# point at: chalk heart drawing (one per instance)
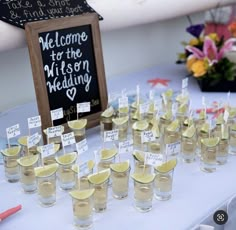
(70, 93)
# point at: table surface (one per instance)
(195, 194)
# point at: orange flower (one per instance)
(199, 68)
(232, 28)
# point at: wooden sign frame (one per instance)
(32, 35)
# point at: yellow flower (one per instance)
(214, 37)
(199, 68)
(194, 42)
(190, 62)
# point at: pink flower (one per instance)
(210, 51)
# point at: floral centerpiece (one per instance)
(205, 57)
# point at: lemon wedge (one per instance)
(67, 159)
(220, 119)
(120, 167)
(167, 166)
(123, 110)
(143, 178)
(12, 151)
(139, 156)
(108, 153)
(189, 132)
(167, 115)
(173, 126)
(210, 142)
(77, 124)
(108, 112)
(136, 115)
(56, 148)
(47, 170)
(120, 120)
(168, 93)
(202, 114)
(100, 177)
(140, 125)
(82, 194)
(182, 108)
(23, 140)
(205, 128)
(28, 160)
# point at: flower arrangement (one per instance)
(205, 55)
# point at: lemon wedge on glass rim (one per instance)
(45, 171)
(143, 178)
(56, 148)
(167, 166)
(120, 120)
(99, 177)
(28, 160)
(23, 140)
(12, 151)
(67, 158)
(189, 132)
(139, 156)
(108, 153)
(82, 194)
(120, 166)
(140, 125)
(210, 142)
(173, 126)
(108, 112)
(77, 124)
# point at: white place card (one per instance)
(13, 131)
(33, 140)
(83, 107)
(47, 150)
(83, 169)
(97, 157)
(185, 83)
(82, 146)
(151, 95)
(112, 135)
(147, 136)
(34, 122)
(173, 148)
(126, 146)
(154, 159)
(143, 108)
(54, 131)
(68, 139)
(56, 114)
(123, 102)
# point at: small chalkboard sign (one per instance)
(67, 65)
(19, 12)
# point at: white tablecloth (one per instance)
(196, 195)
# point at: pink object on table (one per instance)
(9, 212)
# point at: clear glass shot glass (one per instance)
(46, 184)
(100, 196)
(27, 174)
(122, 124)
(106, 120)
(11, 167)
(120, 183)
(163, 184)
(78, 127)
(143, 194)
(189, 145)
(65, 174)
(209, 151)
(25, 150)
(82, 201)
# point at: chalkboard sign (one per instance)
(19, 12)
(67, 65)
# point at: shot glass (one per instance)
(66, 175)
(56, 139)
(99, 181)
(27, 174)
(232, 140)
(122, 124)
(189, 144)
(137, 129)
(209, 151)
(139, 166)
(143, 191)
(106, 120)
(163, 184)
(25, 150)
(82, 201)
(46, 184)
(120, 179)
(11, 167)
(78, 127)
